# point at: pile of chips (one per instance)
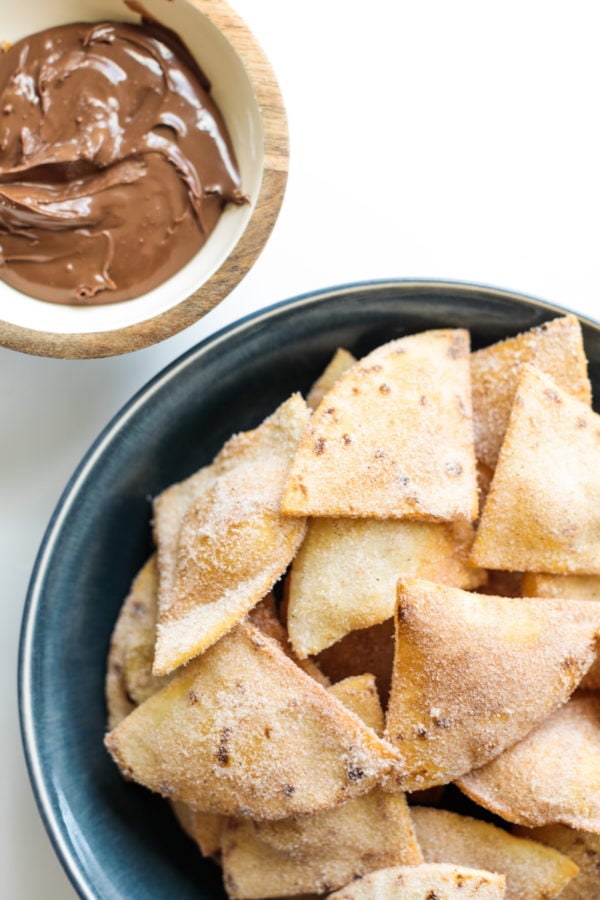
(430, 521)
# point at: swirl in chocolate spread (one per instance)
(115, 164)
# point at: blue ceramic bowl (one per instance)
(117, 840)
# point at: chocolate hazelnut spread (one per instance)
(115, 164)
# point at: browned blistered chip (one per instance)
(532, 870)
(320, 852)
(340, 363)
(430, 881)
(542, 513)
(365, 650)
(393, 438)
(129, 679)
(242, 730)
(473, 674)
(234, 543)
(582, 847)
(344, 574)
(555, 347)
(550, 777)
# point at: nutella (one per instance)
(115, 164)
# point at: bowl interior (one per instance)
(115, 839)
(234, 94)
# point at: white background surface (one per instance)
(429, 139)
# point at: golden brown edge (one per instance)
(244, 254)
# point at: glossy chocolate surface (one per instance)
(114, 162)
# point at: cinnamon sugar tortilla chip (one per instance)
(320, 852)
(364, 650)
(575, 587)
(393, 438)
(328, 849)
(542, 513)
(583, 848)
(430, 881)
(168, 512)
(473, 674)
(532, 870)
(555, 347)
(234, 544)
(340, 363)
(129, 679)
(550, 777)
(242, 730)
(344, 574)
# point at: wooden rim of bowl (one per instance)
(239, 261)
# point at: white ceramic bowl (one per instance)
(242, 85)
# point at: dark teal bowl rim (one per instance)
(446, 293)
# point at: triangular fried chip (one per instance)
(364, 650)
(168, 512)
(555, 347)
(243, 731)
(583, 848)
(431, 881)
(129, 679)
(550, 777)
(542, 513)
(206, 828)
(393, 438)
(234, 544)
(340, 363)
(574, 587)
(320, 852)
(532, 870)
(345, 573)
(473, 674)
